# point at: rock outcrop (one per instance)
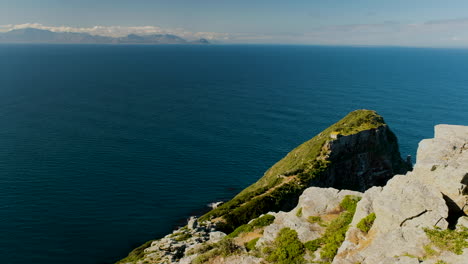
(362, 160)
(433, 195)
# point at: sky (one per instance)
(323, 22)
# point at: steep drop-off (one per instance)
(356, 153)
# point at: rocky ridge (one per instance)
(419, 217)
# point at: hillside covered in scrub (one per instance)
(357, 152)
(336, 199)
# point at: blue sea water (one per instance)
(105, 147)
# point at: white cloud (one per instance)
(119, 31)
(453, 32)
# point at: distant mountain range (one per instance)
(33, 35)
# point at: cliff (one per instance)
(356, 153)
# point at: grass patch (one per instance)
(251, 244)
(259, 222)
(288, 249)
(366, 223)
(182, 236)
(313, 245)
(299, 212)
(449, 240)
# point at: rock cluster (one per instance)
(171, 248)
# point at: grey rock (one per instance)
(216, 236)
(192, 223)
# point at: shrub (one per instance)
(251, 244)
(349, 203)
(263, 221)
(366, 223)
(451, 240)
(288, 249)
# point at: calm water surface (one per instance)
(105, 147)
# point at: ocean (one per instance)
(104, 147)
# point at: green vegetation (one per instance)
(366, 223)
(450, 240)
(429, 250)
(441, 262)
(299, 212)
(335, 233)
(136, 254)
(225, 247)
(288, 178)
(259, 222)
(182, 236)
(263, 221)
(251, 244)
(316, 219)
(288, 249)
(313, 245)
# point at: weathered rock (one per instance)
(313, 202)
(216, 236)
(192, 223)
(362, 160)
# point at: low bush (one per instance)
(288, 249)
(263, 221)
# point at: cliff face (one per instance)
(362, 160)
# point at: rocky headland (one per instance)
(343, 197)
